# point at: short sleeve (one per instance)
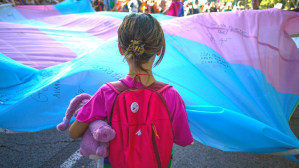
(94, 109)
(178, 114)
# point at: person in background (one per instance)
(139, 5)
(124, 7)
(161, 5)
(98, 5)
(144, 6)
(167, 4)
(189, 9)
(54, 2)
(196, 7)
(173, 9)
(221, 7)
(296, 10)
(218, 7)
(32, 2)
(239, 6)
(134, 6)
(12, 2)
(45, 2)
(206, 7)
(19, 2)
(110, 5)
(228, 8)
(255, 4)
(201, 7)
(213, 7)
(151, 6)
(181, 9)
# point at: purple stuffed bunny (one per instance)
(96, 138)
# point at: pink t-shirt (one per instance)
(100, 107)
(174, 9)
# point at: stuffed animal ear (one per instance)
(63, 125)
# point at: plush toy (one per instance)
(96, 138)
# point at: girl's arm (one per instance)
(93, 110)
(180, 125)
(77, 129)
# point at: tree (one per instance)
(265, 4)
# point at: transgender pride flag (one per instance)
(238, 72)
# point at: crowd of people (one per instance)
(30, 2)
(172, 7)
(169, 7)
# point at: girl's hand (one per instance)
(77, 129)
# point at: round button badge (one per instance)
(134, 107)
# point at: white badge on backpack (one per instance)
(134, 107)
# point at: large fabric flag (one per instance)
(238, 72)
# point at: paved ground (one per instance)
(54, 149)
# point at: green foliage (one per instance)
(265, 4)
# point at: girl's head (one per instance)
(140, 39)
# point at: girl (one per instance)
(145, 30)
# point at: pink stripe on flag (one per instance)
(103, 27)
(37, 11)
(32, 47)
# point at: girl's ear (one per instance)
(120, 50)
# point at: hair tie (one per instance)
(136, 47)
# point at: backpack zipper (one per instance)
(155, 145)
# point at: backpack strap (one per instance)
(118, 86)
(158, 86)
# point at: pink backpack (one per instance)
(144, 136)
